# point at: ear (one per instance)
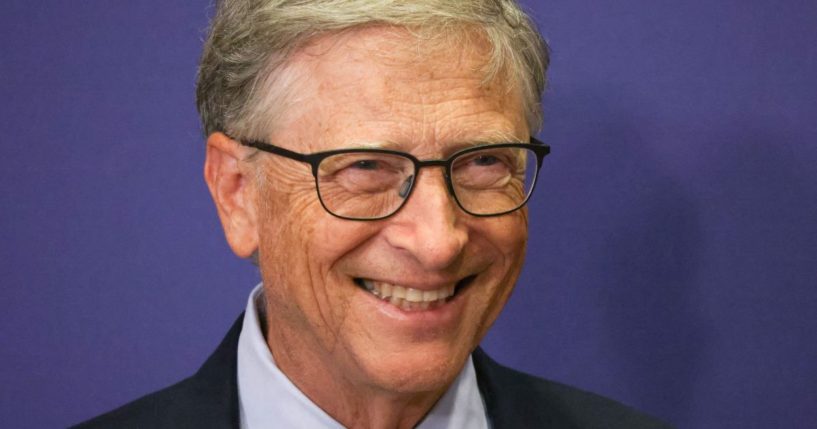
(232, 189)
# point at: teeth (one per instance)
(414, 295)
(408, 298)
(386, 289)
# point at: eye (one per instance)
(366, 164)
(363, 173)
(485, 160)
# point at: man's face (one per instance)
(384, 88)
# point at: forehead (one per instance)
(389, 86)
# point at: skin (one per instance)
(365, 362)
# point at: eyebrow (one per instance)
(487, 138)
(497, 136)
(492, 137)
(377, 144)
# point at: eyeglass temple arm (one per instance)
(266, 147)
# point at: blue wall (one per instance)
(673, 256)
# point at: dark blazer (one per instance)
(209, 399)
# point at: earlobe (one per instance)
(233, 191)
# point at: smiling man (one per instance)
(374, 158)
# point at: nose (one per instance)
(429, 226)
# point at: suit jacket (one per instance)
(209, 399)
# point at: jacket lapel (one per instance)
(214, 387)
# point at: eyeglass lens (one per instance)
(370, 185)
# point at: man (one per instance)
(374, 158)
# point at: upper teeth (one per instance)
(388, 290)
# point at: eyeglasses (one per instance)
(373, 184)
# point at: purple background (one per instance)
(673, 259)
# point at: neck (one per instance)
(350, 402)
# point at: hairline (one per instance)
(274, 87)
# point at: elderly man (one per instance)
(374, 159)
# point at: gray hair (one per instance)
(242, 76)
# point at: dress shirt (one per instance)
(268, 399)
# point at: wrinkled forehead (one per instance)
(404, 55)
(410, 54)
(384, 42)
(378, 68)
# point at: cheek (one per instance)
(507, 235)
(333, 244)
(313, 292)
(304, 249)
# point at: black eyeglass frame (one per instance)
(314, 159)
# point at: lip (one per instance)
(459, 285)
(435, 317)
(425, 286)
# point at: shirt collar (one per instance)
(268, 398)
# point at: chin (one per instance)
(416, 369)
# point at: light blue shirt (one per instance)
(268, 399)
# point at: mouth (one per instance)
(411, 299)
